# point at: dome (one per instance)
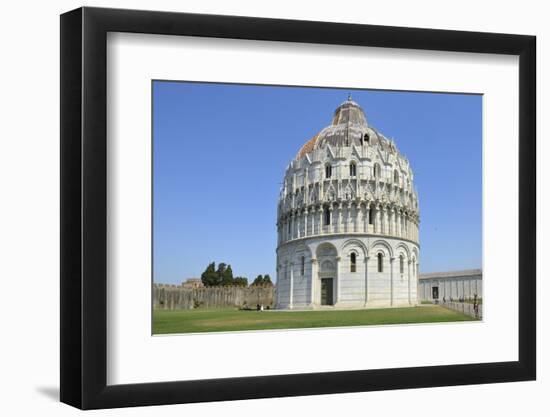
(348, 127)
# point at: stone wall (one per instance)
(174, 297)
(453, 284)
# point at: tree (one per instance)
(258, 281)
(267, 280)
(227, 276)
(241, 281)
(209, 277)
(220, 273)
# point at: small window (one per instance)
(353, 264)
(366, 138)
(376, 171)
(380, 262)
(371, 215)
(352, 169)
(289, 225)
(401, 264)
(396, 177)
(303, 268)
(328, 171)
(326, 216)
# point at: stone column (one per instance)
(399, 224)
(313, 280)
(377, 219)
(356, 211)
(392, 221)
(367, 217)
(312, 220)
(305, 222)
(291, 290)
(386, 220)
(338, 285)
(321, 219)
(366, 280)
(391, 279)
(348, 218)
(409, 278)
(340, 217)
(358, 217)
(331, 218)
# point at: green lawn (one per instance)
(197, 321)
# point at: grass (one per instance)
(200, 321)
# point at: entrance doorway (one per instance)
(326, 292)
(435, 293)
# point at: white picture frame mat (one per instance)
(135, 356)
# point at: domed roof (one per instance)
(349, 127)
(349, 112)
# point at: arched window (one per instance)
(353, 262)
(380, 262)
(401, 264)
(371, 215)
(328, 171)
(376, 171)
(303, 268)
(396, 177)
(352, 169)
(366, 138)
(326, 216)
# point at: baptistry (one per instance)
(347, 220)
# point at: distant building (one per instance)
(347, 220)
(192, 283)
(455, 284)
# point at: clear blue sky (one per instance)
(220, 152)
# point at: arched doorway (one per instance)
(326, 275)
(326, 281)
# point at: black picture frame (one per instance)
(84, 207)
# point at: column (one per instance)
(392, 222)
(331, 218)
(391, 280)
(305, 222)
(313, 280)
(358, 217)
(399, 224)
(338, 286)
(313, 220)
(291, 291)
(366, 279)
(356, 212)
(348, 218)
(377, 219)
(340, 218)
(409, 278)
(320, 210)
(386, 229)
(367, 216)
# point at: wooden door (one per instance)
(326, 292)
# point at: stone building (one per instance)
(450, 285)
(192, 283)
(347, 220)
